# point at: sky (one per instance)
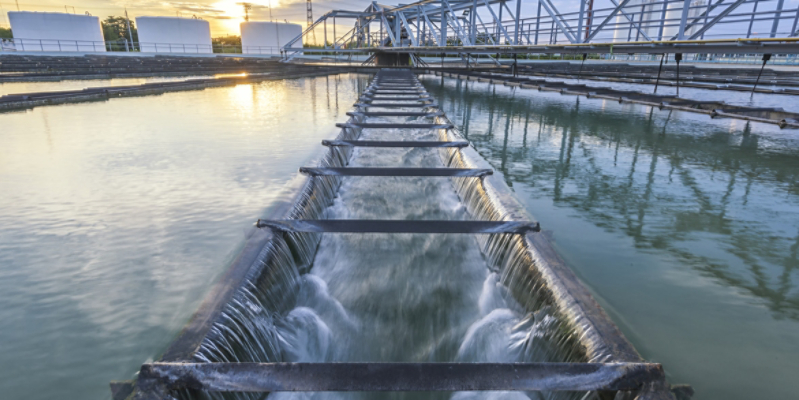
(225, 16)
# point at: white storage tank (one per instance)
(174, 35)
(44, 31)
(268, 37)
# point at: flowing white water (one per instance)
(388, 297)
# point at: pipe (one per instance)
(766, 57)
(678, 58)
(662, 57)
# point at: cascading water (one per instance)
(394, 297)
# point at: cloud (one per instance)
(194, 7)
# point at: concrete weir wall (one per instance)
(44, 31)
(174, 35)
(267, 37)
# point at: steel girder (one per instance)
(599, 24)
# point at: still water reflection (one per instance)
(116, 216)
(686, 228)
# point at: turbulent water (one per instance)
(116, 216)
(384, 297)
(685, 227)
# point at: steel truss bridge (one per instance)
(474, 27)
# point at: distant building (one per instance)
(45, 31)
(268, 37)
(174, 35)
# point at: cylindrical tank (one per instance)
(174, 35)
(268, 37)
(45, 31)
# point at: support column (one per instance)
(518, 19)
(683, 19)
(777, 16)
(442, 41)
(537, 21)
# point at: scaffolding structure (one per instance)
(593, 26)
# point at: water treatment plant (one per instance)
(447, 199)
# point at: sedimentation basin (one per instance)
(501, 122)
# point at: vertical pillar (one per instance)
(579, 20)
(499, 24)
(518, 19)
(662, 19)
(537, 21)
(398, 30)
(795, 21)
(752, 19)
(473, 22)
(419, 26)
(443, 40)
(683, 19)
(777, 15)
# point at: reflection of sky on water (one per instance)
(117, 215)
(653, 208)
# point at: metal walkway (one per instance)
(623, 371)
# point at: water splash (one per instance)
(430, 298)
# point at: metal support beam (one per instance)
(718, 18)
(497, 21)
(462, 35)
(406, 172)
(556, 17)
(367, 377)
(399, 226)
(391, 144)
(777, 15)
(607, 19)
(632, 21)
(430, 24)
(388, 30)
(516, 30)
(686, 6)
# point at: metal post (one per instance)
(580, 73)
(473, 19)
(579, 19)
(640, 23)
(678, 58)
(499, 23)
(418, 27)
(515, 66)
(766, 57)
(398, 30)
(589, 19)
(334, 33)
(518, 18)
(795, 21)
(537, 21)
(752, 19)
(443, 38)
(130, 32)
(684, 19)
(657, 81)
(777, 16)
(325, 33)
(662, 19)
(424, 30)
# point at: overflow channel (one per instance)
(317, 301)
